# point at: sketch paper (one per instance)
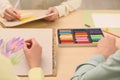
(103, 20)
(11, 46)
(28, 17)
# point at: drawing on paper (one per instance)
(28, 18)
(12, 49)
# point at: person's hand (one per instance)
(11, 14)
(55, 13)
(107, 46)
(33, 53)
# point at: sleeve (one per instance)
(67, 7)
(7, 73)
(99, 69)
(3, 5)
(6, 69)
(36, 74)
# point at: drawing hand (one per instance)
(55, 15)
(33, 53)
(106, 46)
(11, 14)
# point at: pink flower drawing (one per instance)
(12, 46)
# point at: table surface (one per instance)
(68, 58)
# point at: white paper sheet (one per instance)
(34, 16)
(43, 36)
(103, 20)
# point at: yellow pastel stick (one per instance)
(94, 42)
(27, 18)
(106, 29)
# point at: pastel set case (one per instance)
(79, 37)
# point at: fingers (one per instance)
(31, 43)
(34, 43)
(50, 10)
(25, 46)
(101, 41)
(8, 17)
(11, 14)
(28, 44)
(109, 39)
(17, 12)
(54, 16)
(50, 18)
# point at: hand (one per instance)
(33, 53)
(55, 15)
(106, 46)
(11, 14)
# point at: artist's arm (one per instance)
(68, 6)
(33, 53)
(6, 69)
(64, 9)
(97, 68)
